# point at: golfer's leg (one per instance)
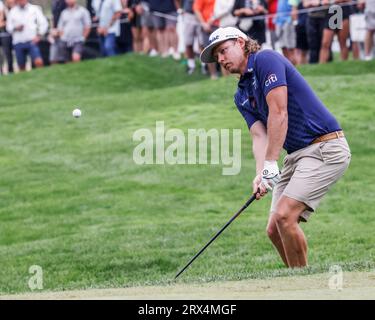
(272, 230)
(287, 216)
(273, 234)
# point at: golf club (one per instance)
(248, 202)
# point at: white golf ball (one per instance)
(77, 113)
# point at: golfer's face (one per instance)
(229, 55)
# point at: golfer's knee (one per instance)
(272, 231)
(282, 220)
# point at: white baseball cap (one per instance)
(219, 36)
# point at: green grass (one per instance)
(74, 202)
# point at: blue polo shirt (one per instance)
(308, 118)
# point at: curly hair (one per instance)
(251, 46)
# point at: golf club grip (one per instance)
(248, 202)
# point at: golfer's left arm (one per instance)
(277, 127)
(277, 123)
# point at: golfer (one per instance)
(282, 111)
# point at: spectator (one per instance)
(136, 26)
(285, 30)
(245, 10)
(108, 13)
(223, 11)
(272, 9)
(204, 10)
(27, 24)
(6, 37)
(73, 28)
(370, 27)
(355, 45)
(192, 31)
(164, 21)
(125, 40)
(57, 7)
(299, 19)
(314, 28)
(342, 33)
(149, 45)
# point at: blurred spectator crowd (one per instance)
(303, 30)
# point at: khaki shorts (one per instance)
(308, 173)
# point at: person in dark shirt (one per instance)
(164, 21)
(283, 112)
(125, 40)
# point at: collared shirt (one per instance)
(33, 21)
(308, 118)
(105, 9)
(73, 22)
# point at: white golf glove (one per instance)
(270, 174)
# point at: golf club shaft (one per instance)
(253, 197)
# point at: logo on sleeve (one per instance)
(271, 79)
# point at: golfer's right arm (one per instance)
(259, 137)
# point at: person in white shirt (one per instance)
(73, 27)
(108, 12)
(27, 24)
